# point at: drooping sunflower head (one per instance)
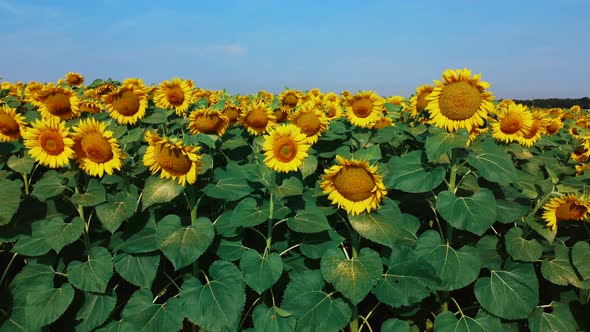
(569, 207)
(136, 83)
(353, 185)
(333, 109)
(49, 142)
(581, 168)
(580, 154)
(289, 99)
(553, 126)
(97, 151)
(418, 102)
(74, 79)
(176, 94)
(459, 101)
(363, 109)
(314, 93)
(331, 97)
(58, 103)
(311, 120)
(127, 104)
(90, 106)
(535, 131)
(104, 89)
(576, 110)
(31, 91)
(512, 122)
(208, 121)
(258, 118)
(555, 112)
(395, 100)
(285, 148)
(208, 95)
(232, 111)
(265, 96)
(12, 124)
(172, 159)
(382, 122)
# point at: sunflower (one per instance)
(136, 83)
(474, 134)
(58, 103)
(74, 79)
(382, 122)
(576, 109)
(172, 159)
(208, 121)
(512, 122)
(363, 109)
(555, 112)
(569, 207)
(97, 151)
(289, 99)
(333, 109)
(535, 131)
(285, 148)
(49, 142)
(176, 94)
(459, 101)
(580, 154)
(265, 96)
(127, 104)
(353, 185)
(418, 102)
(31, 91)
(331, 97)
(395, 100)
(12, 124)
(554, 126)
(104, 89)
(311, 121)
(574, 132)
(581, 168)
(314, 93)
(258, 118)
(90, 106)
(232, 111)
(211, 96)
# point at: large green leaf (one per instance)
(509, 211)
(395, 325)
(217, 305)
(521, 249)
(248, 214)
(157, 190)
(94, 195)
(354, 277)
(559, 319)
(112, 213)
(141, 314)
(10, 198)
(95, 311)
(229, 249)
(139, 270)
(488, 252)
(581, 258)
(440, 141)
(474, 214)
(410, 174)
(510, 293)
(272, 319)
(309, 220)
(229, 185)
(560, 270)
(34, 275)
(261, 272)
(309, 166)
(94, 274)
(407, 280)
(22, 165)
(182, 245)
(290, 187)
(447, 322)
(145, 240)
(34, 244)
(313, 307)
(46, 306)
(493, 163)
(455, 268)
(50, 185)
(59, 234)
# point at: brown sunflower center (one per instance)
(280, 115)
(75, 80)
(331, 111)
(207, 123)
(126, 103)
(8, 126)
(511, 123)
(354, 183)
(309, 123)
(570, 211)
(362, 107)
(535, 127)
(51, 142)
(290, 100)
(58, 103)
(285, 149)
(553, 127)
(175, 95)
(257, 118)
(173, 161)
(459, 100)
(97, 148)
(232, 114)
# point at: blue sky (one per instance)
(526, 49)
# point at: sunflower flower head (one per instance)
(285, 148)
(49, 143)
(127, 104)
(363, 109)
(311, 120)
(569, 207)
(258, 118)
(208, 121)
(74, 79)
(12, 124)
(512, 123)
(418, 102)
(56, 102)
(97, 151)
(176, 94)
(289, 99)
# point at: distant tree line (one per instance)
(556, 102)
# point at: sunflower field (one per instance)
(127, 207)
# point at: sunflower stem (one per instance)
(80, 209)
(26, 181)
(270, 229)
(7, 268)
(355, 241)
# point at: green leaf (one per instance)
(218, 304)
(22, 165)
(139, 270)
(113, 326)
(315, 245)
(94, 274)
(354, 277)
(310, 220)
(395, 325)
(385, 226)
(94, 195)
(157, 190)
(511, 293)
(46, 306)
(290, 187)
(271, 319)
(10, 198)
(559, 319)
(145, 240)
(440, 141)
(34, 275)
(315, 309)
(112, 214)
(541, 228)
(261, 272)
(455, 268)
(370, 154)
(560, 270)
(407, 280)
(35, 244)
(509, 211)
(182, 245)
(474, 214)
(447, 322)
(95, 311)
(59, 234)
(248, 214)
(488, 252)
(259, 173)
(520, 249)
(309, 166)
(409, 174)
(581, 258)
(230, 185)
(158, 116)
(141, 314)
(50, 185)
(133, 135)
(229, 249)
(493, 163)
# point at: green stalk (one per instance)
(355, 241)
(80, 209)
(26, 181)
(270, 229)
